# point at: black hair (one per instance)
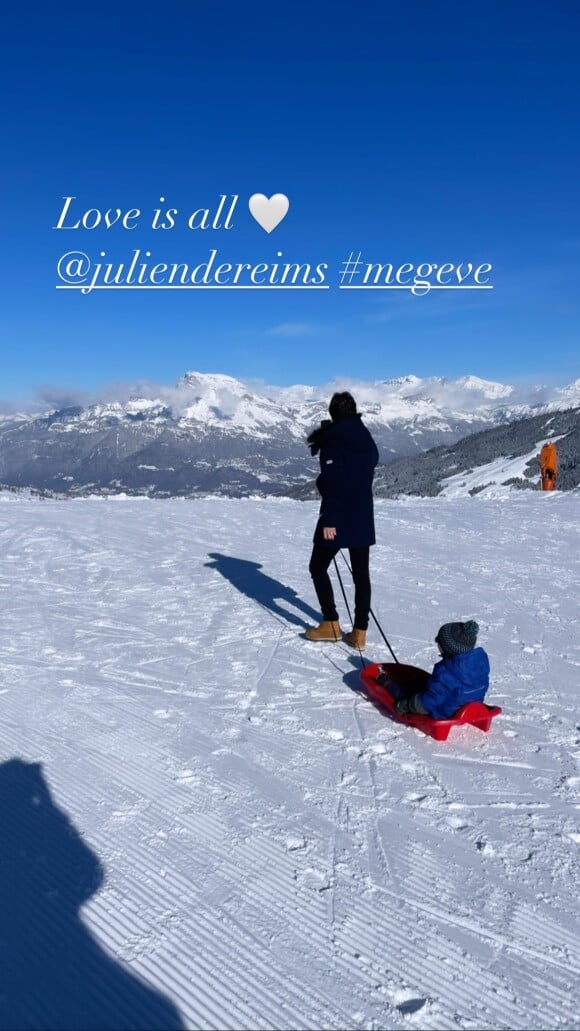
(342, 406)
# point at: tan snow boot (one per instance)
(356, 639)
(327, 631)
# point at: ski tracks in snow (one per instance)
(278, 853)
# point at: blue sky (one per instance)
(411, 133)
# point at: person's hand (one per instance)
(329, 533)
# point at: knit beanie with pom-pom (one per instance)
(457, 638)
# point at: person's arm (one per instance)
(436, 689)
(333, 484)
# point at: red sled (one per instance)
(477, 713)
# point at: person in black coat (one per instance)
(348, 456)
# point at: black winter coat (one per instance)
(348, 456)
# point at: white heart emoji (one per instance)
(268, 212)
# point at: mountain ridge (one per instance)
(213, 433)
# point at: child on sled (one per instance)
(461, 676)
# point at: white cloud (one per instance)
(293, 329)
(179, 396)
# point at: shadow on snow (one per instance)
(54, 974)
(248, 578)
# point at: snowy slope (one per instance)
(492, 476)
(205, 825)
(498, 460)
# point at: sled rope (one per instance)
(347, 606)
(379, 627)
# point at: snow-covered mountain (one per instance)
(212, 433)
(494, 461)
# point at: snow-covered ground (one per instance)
(206, 825)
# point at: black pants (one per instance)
(323, 553)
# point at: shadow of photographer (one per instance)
(54, 974)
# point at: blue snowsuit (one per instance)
(454, 682)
